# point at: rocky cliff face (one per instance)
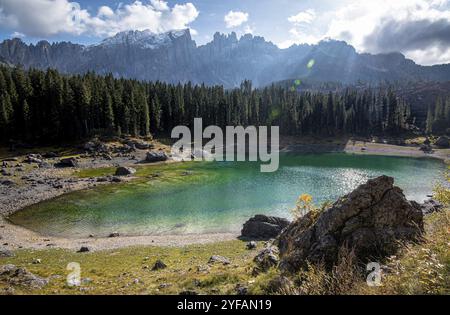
(372, 220)
(227, 60)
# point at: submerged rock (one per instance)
(372, 221)
(263, 227)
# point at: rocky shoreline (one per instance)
(28, 181)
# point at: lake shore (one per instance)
(35, 185)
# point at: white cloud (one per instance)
(303, 17)
(234, 19)
(51, 17)
(17, 35)
(417, 28)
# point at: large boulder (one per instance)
(262, 227)
(373, 221)
(442, 142)
(153, 157)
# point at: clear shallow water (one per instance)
(219, 197)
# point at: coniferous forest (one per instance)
(46, 106)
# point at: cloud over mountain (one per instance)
(52, 17)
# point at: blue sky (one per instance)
(418, 28)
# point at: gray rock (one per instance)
(372, 220)
(5, 253)
(153, 157)
(263, 227)
(69, 162)
(431, 206)
(125, 171)
(20, 276)
(8, 183)
(33, 158)
(159, 265)
(241, 289)
(266, 259)
(219, 259)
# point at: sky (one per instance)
(420, 29)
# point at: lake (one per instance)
(215, 197)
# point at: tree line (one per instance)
(438, 117)
(46, 106)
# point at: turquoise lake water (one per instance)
(218, 197)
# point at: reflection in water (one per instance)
(219, 197)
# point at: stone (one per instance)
(4, 253)
(262, 227)
(159, 265)
(153, 157)
(430, 206)
(219, 259)
(114, 234)
(68, 162)
(125, 171)
(266, 259)
(33, 158)
(373, 221)
(20, 276)
(116, 179)
(251, 245)
(8, 183)
(83, 249)
(442, 142)
(241, 289)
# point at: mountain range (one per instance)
(227, 60)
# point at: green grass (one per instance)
(115, 271)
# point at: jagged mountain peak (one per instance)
(146, 38)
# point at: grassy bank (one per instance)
(129, 270)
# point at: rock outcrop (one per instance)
(262, 227)
(372, 220)
(20, 276)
